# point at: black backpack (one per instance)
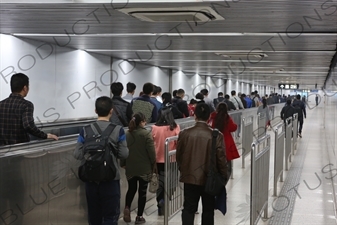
(98, 153)
(253, 102)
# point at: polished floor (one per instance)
(307, 195)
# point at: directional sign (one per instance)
(288, 86)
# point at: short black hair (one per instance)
(103, 106)
(220, 94)
(233, 92)
(167, 97)
(130, 87)
(226, 96)
(116, 88)
(204, 91)
(18, 81)
(180, 91)
(155, 90)
(288, 101)
(202, 111)
(199, 96)
(193, 101)
(298, 96)
(174, 93)
(158, 89)
(147, 88)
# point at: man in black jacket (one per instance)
(219, 99)
(122, 111)
(299, 107)
(287, 111)
(230, 104)
(180, 103)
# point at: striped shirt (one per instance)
(17, 121)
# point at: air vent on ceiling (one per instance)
(242, 55)
(179, 14)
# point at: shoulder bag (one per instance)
(215, 182)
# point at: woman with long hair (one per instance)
(263, 109)
(221, 120)
(139, 165)
(165, 127)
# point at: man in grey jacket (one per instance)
(103, 198)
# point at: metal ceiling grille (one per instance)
(297, 36)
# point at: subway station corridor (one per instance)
(307, 195)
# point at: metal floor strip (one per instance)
(283, 206)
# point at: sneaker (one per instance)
(139, 220)
(300, 135)
(127, 217)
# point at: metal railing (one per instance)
(295, 131)
(247, 137)
(261, 124)
(259, 181)
(279, 154)
(174, 194)
(288, 143)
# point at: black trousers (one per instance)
(133, 186)
(192, 194)
(300, 125)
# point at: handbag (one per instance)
(215, 182)
(154, 182)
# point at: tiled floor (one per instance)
(315, 196)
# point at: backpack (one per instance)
(253, 102)
(98, 151)
(298, 110)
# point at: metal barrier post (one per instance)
(261, 124)
(247, 137)
(279, 153)
(295, 131)
(259, 180)
(174, 196)
(288, 141)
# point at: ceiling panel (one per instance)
(298, 37)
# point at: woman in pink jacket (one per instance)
(164, 128)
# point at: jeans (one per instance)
(133, 183)
(192, 194)
(103, 202)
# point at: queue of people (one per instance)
(141, 151)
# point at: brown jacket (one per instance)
(194, 147)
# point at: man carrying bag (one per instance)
(194, 151)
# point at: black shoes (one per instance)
(139, 220)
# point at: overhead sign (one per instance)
(288, 86)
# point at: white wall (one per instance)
(64, 83)
(139, 74)
(192, 84)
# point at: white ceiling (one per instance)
(297, 38)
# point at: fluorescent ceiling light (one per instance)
(201, 51)
(170, 34)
